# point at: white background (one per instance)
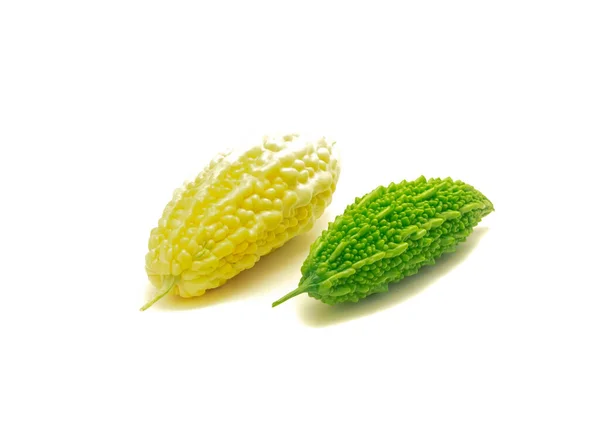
(106, 107)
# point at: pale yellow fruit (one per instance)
(241, 207)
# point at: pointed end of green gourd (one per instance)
(167, 285)
(489, 207)
(301, 289)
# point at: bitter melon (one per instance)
(241, 207)
(387, 235)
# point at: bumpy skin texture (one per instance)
(387, 235)
(241, 207)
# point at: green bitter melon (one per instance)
(387, 235)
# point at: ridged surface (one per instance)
(389, 234)
(241, 207)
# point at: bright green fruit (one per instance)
(387, 235)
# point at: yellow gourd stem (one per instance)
(167, 285)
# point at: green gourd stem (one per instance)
(167, 285)
(302, 289)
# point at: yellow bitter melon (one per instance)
(387, 235)
(241, 207)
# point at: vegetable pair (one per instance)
(244, 205)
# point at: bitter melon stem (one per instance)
(167, 285)
(301, 289)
